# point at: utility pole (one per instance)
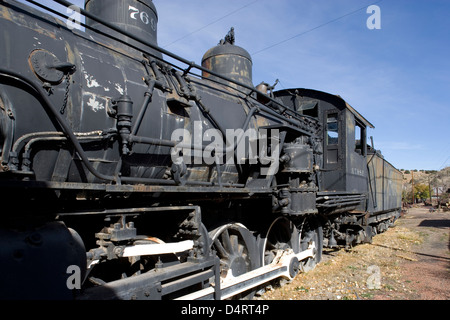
(437, 197)
(429, 190)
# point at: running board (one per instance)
(285, 267)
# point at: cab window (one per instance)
(332, 129)
(360, 139)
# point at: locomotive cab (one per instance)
(344, 135)
(345, 148)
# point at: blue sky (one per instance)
(397, 77)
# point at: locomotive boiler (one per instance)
(126, 176)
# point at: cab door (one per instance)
(333, 175)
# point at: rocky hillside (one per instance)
(437, 181)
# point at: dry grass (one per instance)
(344, 275)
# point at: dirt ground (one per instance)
(410, 261)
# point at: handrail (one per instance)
(190, 64)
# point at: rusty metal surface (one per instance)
(385, 184)
(229, 60)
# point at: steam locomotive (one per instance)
(126, 176)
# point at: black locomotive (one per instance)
(125, 176)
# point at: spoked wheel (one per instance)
(281, 235)
(236, 247)
(311, 237)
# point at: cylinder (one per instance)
(137, 17)
(299, 158)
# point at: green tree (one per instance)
(421, 191)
